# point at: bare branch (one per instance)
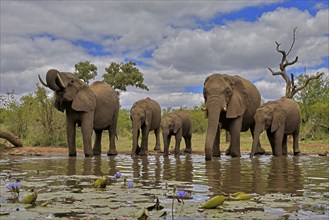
(290, 63)
(293, 40)
(284, 55)
(274, 73)
(316, 76)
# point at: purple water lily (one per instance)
(117, 175)
(14, 187)
(181, 194)
(130, 185)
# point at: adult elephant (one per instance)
(230, 103)
(179, 124)
(91, 107)
(279, 118)
(145, 115)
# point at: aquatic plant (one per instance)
(30, 198)
(14, 187)
(117, 175)
(130, 185)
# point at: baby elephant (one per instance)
(179, 124)
(279, 118)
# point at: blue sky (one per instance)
(176, 44)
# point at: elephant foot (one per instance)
(216, 154)
(157, 148)
(72, 154)
(142, 153)
(96, 153)
(188, 150)
(88, 155)
(260, 151)
(112, 153)
(297, 153)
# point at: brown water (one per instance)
(305, 175)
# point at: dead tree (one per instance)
(11, 138)
(291, 87)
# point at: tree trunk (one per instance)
(11, 138)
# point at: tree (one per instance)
(314, 103)
(121, 75)
(291, 87)
(86, 71)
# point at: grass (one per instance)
(124, 143)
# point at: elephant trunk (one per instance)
(258, 130)
(165, 144)
(213, 120)
(54, 80)
(135, 133)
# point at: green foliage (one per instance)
(199, 122)
(314, 104)
(50, 121)
(124, 123)
(33, 118)
(15, 115)
(86, 71)
(121, 75)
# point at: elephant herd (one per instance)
(231, 103)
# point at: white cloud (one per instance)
(37, 36)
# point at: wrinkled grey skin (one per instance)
(230, 103)
(178, 124)
(279, 118)
(145, 116)
(94, 107)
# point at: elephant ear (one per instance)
(84, 100)
(239, 100)
(278, 118)
(148, 116)
(177, 125)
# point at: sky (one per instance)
(176, 44)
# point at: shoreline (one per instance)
(63, 151)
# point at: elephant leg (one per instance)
(70, 136)
(216, 146)
(97, 150)
(87, 130)
(270, 137)
(157, 139)
(295, 136)
(145, 139)
(278, 139)
(188, 148)
(178, 139)
(112, 148)
(235, 129)
(259, 149)
(167, 144)
(284, 145)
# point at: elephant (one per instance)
(230, 103)
(279, 118)
(177, 123)
(93, 107)
(145, 115)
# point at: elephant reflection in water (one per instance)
(284, 175)
(214, 176)
(179, 170)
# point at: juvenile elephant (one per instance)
(91, 107)
(230, 103)
(179, 124)
(145, 115)
(279, 118)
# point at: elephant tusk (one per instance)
(61, 83)
(224, 109)
(42, 82)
